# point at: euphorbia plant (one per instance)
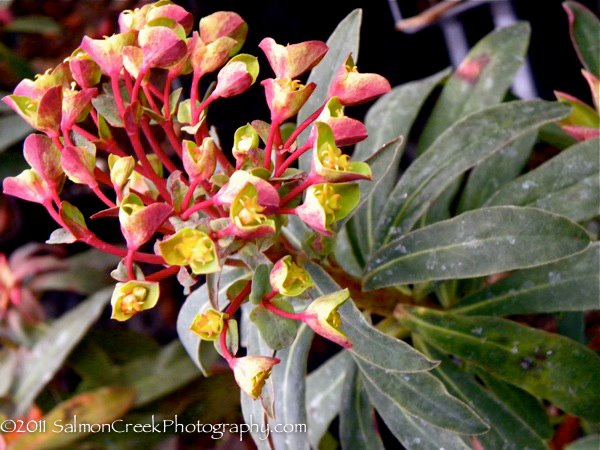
(295, 238)
(182, 193)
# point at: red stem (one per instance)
(129, 264)
(162, 274)
(238, 300)
(86, 134)
(150, 99)
(96, 190)
(310, 119)
(136, 87)
(194, 91)
(293, 157)
(223, 343)
(189, 194)
(114, 82)
(95, 242)
(269, 144)
(205, 104)
(171, 136)
(197, 207)
(296, 191)
(166, 93)
(280, 312)
(156, 148)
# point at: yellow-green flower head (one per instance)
(330, 164)
(209, 324)
(251, 373)
(327, 203)
(190, 247)
(247, 216)
(130, 298)
(244, 139)
(323, 317)
(288, 278)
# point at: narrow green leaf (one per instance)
(585, 29)
(546, 365)
(368, 343)
(414, 433)
(480, 81)
(464, 145)
(477, 243)
(571, 284)
(591, 442)
(572, 324)
(52, 348)
(278, 332)
(494, 172)
(290, 378)
(357, 421)
(530, 409)
(324, 387)
(508, 430)
(343, 41)
(568, 184)
(390, 117)
(422, 395)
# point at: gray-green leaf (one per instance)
(546, 365)
(477, 243)
(571, 284)
(462, 146)
(568, 184)
(508, 431)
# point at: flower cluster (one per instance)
(110, 119)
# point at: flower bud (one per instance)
(189, 247)
(237, 76)
(84, 70)
(224, 23)
(140, 222)
(323, 317)
(132, 297)
(207, 58)
(28, 185)
(285, 97)
(75, 106)
(199, 162)
(291, 61)
(79, 164)
(209, 324)
(352, 87)
(251, 373)
(288, 278)
(161, 47)
(43, 156)
(327, 203)
(108, 52)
